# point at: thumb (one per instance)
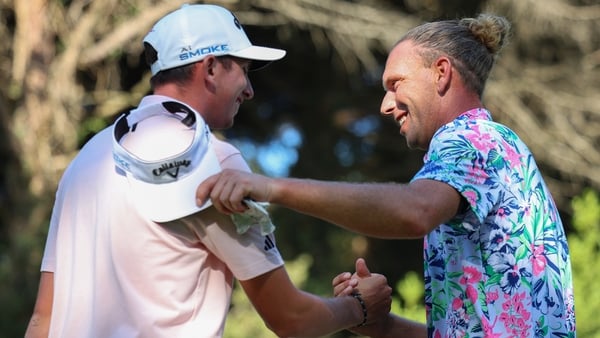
(361, 268)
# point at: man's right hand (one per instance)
(228, 189)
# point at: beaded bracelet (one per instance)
(364, 308)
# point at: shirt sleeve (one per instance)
(49, 257)
(460, 158)
(247, 255)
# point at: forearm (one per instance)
(378, 210)
(290, 312)
(387, 210)
(38, 327)
(394, 327)
(345, 313)
(319, 317)
(39, 324)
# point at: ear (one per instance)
(208, 70)
(443, 73)
(210, 63)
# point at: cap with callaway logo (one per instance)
(165, 150)
(192, 32)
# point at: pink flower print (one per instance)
(470, 275)
(491, 297)
(481, 141)
(472, 293)
(539, 259)
(515, 317)
(520, 307)
(471, 196)
(488, 329)
(505, 318)
(457, 304)
(511, 155)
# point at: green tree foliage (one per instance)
(409, 303)
(584, 244)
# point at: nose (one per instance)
(248, 91)
(388, 103)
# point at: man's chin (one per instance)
(415, 146)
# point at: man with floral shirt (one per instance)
(496, 255)
(505, 261)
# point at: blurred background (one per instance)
(67, 68)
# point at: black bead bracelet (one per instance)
(364, 308)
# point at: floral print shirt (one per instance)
(501, 267)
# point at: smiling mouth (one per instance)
(401, 120)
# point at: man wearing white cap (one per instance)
(130, 254)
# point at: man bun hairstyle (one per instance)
(472, 44)
(491, 30)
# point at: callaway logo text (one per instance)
(168, 168)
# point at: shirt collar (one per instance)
(475, 114)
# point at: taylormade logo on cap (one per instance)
(190, 33)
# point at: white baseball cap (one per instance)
(192, 32)
(165, 150)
